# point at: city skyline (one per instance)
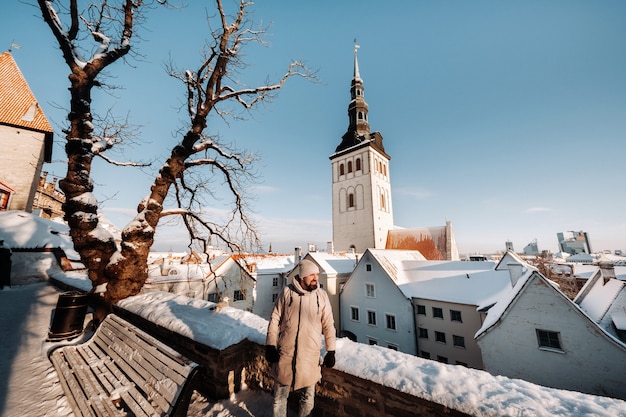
(506, 119)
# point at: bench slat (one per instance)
(128, 362)
(89, 381)
(70, 384)
(114, 367)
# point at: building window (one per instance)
(372, 342)
(351, 200)
(455, 315)
(440, 337)
(358, 164)
(4, 199)
(442, 359)
(371, 318)
(462, 363)
(349, 166)
(239, 295)
(421, 310)
(368, 267)
(437, 313)
(391, 321)
(355, 313)
(392, 346)
(458, 341)
(213, 297)
(424, 354)
(548, 339)
(341, 169)
(274, 298)
(423, 333)
(275, 282)
(370, 291)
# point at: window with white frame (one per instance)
(370, 290)
(371, 317)
(390, 321)
(354, 313)
(455, 315)
(458, 341)
(549, 339)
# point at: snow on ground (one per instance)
(29, 385)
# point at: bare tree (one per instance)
(107, 28)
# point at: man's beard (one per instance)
(311, 287)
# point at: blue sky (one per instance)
(506, 118)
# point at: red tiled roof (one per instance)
(18, 105)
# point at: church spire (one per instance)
(357, 109)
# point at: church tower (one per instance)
(362, 212)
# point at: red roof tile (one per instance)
(18, 105)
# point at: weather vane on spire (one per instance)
(356, 46)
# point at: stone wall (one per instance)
(338, 394)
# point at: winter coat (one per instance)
(298, 320)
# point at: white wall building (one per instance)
(534, 332)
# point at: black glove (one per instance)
(329, 359)
(271, 354)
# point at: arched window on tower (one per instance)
(383, 206)
(341, 169)
(351, 200)
(358, 164)
(349, 167)
(360, 115)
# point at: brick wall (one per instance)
(338, 394)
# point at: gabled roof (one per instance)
(18, 105)
(604, 301)
(333, 264)
(462, 282)
(435, 243)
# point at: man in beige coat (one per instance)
(301, 315)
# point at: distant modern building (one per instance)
(25, 138)
(574, 242)
(532, 248)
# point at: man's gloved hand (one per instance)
(329, 359)
(271, 354)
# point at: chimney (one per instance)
(607, 270)
(297, 256)
(516, 271)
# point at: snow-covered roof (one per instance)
(270, 263)
(451, 281)
(335, 264)
(22, 230)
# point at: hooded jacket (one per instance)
(298, 320)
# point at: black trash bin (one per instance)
(69, 316)
(5, 265)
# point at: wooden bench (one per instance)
(123, 371)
